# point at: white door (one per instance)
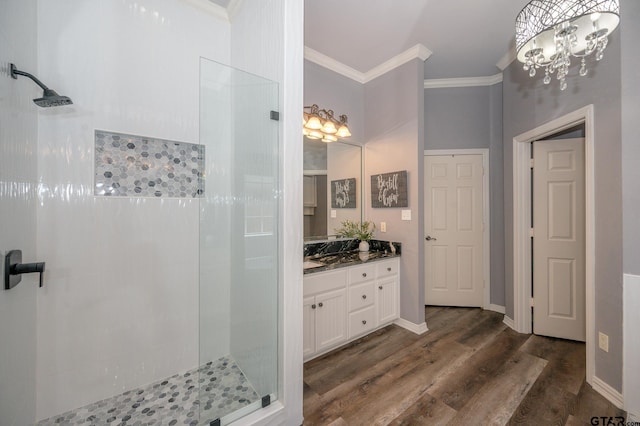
(309, 322)
(387, 300)
(454, 230)
(559, 239)
(331, 318)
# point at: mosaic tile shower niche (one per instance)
(137, 166)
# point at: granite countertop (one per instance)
(333, 261)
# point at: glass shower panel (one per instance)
(238, 243)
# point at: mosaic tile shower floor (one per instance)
(172, 401)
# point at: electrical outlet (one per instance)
(603, 341)
(406, 214)
(383, 226)
(334, 214)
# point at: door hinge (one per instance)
(532, 303)
(531, 232)
(531, 163)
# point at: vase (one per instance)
(363, 246)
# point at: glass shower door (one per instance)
(238, 243)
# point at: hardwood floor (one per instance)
(468, 369)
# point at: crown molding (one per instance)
(416, 52)
(232, 8)
(506, 60)
(438, 83)
(333, 65)
(210, 8)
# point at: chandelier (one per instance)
(551, 32)
(321, 124)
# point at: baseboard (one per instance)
(607, 391)
(495, 308)
(411, 326)
(509, 322)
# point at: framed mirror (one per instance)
(332, 184)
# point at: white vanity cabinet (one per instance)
(325, 315)
(348, 303)
(387, 289)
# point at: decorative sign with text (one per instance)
(343, 194)
(389, 190)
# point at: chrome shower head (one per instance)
(49, 98)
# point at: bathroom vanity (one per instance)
(346, 296)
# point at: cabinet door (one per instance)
(387, 300)
(309, 324)
(309, 194)
(331, 319)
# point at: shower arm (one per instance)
(16, 72)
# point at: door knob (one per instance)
(14, 268)
(429, 238)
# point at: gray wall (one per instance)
(394, 109)
(457, 117)
(330, 90)
(468, 118)
(630, 34)
(528, 104)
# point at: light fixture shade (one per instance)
(315, 134)
(313, 123)
(343, 131)
(536, 23)
(329, 127)
(329, 138)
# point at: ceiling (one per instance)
(467, 38)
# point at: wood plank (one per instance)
(547, 403)
(484, 330)
(427, 410)
(591, 404)
(396, 377)
(568, 358)
(353, 360)
(496, 401)
(457, 389)
(387, 384)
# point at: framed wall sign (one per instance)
(389, 190)
(343, 193)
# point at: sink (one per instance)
(308, 264)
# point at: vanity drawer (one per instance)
(358, 274)
(324, 281)
(387, 267)
(362, 321)
(361, 296)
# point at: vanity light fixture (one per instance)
(321, 124)
(551, 32)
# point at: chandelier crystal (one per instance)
(549, 33)
(321, 124)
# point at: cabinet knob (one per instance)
(364, 321)
(389, 269)
(380, 287)
(364, 296)
(320, 305)
(364, 274)
(313, 306)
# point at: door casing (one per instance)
(522, 253)
(486, 210)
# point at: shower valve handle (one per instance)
(14, 268)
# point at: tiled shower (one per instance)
(155, 208)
